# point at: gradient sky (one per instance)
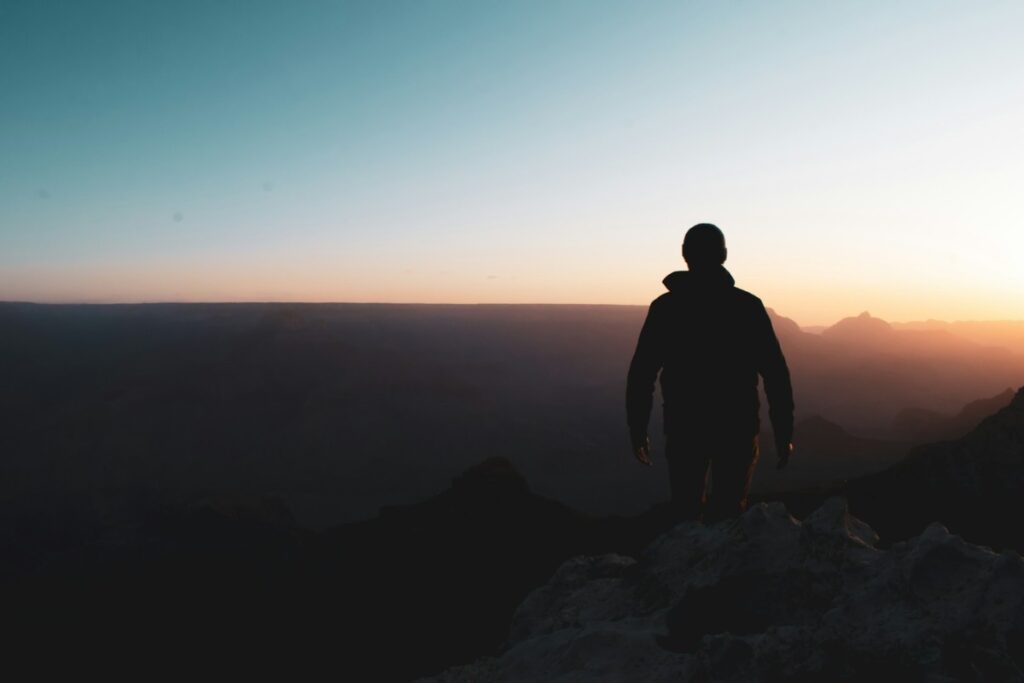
(860, 155)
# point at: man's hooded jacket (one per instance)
(710, 340)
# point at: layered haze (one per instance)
(339, 409)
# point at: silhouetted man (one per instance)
(710, 341)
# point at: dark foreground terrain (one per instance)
(768, 598)
(419, 588)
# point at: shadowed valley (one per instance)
(218, 459)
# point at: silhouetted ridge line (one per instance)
(972, 485)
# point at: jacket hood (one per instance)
(712, 277)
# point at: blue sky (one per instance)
(862, 155)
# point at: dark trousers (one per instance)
(728, 458)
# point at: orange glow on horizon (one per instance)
(807, 304)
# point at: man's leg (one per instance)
(688, 472)
(732, 469)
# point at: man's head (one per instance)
(704, 246)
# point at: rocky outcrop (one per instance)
(767, 598)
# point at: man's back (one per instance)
(710, 341)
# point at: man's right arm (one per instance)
(643, 372)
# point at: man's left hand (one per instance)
(783, 451)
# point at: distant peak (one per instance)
(820, 427)
(1018, 400)
(492, 473)
(861, 327)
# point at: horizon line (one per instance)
(466, 304)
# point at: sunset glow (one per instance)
(858, 156)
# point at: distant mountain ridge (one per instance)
(973, 485)
(1002, 334)
(862, 329)
(999, 333)
(924, 426)
(827, 453)
(854, 372)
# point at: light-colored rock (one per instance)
(765, 597)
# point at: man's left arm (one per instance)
(777, 386)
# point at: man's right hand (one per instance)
(783, 451)
(642, 450)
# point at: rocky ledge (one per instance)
(766, 597)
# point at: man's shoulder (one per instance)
(740, 295)
(747, 297)
(662, 300)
